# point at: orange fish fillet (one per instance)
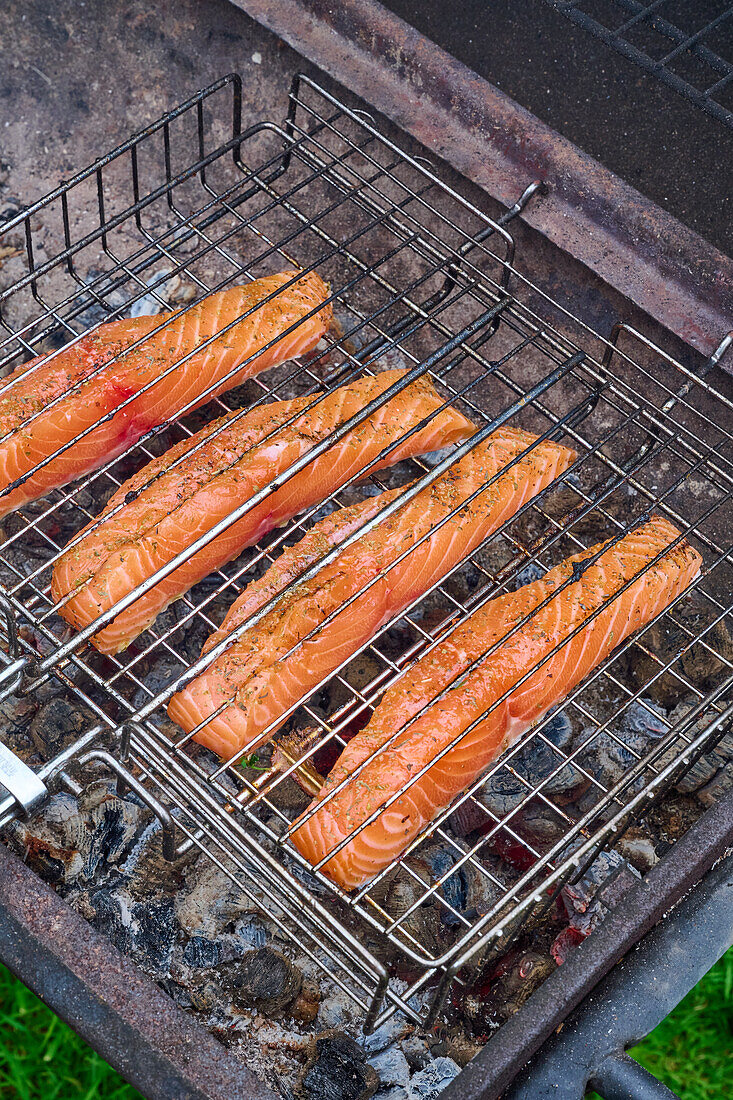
(387, 836)
(164, 509)
(255, 677)
(27, 392)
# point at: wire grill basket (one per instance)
(419, 278)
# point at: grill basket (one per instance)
(420, 278)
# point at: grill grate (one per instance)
(687, 47)
(420, 278)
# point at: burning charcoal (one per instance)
(539, 824)
(392, 1066)
(432, 1079)
(149, 874)
(54, 842)
(501, 793)
(263, 979)
(716, 788)
(565, 943)
(250, 931)
(704, 770)
(665, 639)
(508, 986)
(606, 761)
(202, 953)
(609, 877)
(460, 1047)
(212, 902)
(337, 1070)
(391, 1031)
(416, 1050)
(113, 826)
(147, 932)
(531, 572)
(638, 850)
(589, 900)
(537, 761)
(55, 725)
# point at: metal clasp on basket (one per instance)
(21, 781)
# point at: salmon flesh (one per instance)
(458, 722)
(179, 497)
(47, 408)
(269, 667)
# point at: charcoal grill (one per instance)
(216, 203)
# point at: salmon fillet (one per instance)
(164, 508)
(258, 679)
(437, 727)
(29, 393)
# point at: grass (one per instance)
(42, 1059)
(691, 1051)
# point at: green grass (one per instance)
(692, 1050)
(42, 1059)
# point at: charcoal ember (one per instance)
(113, 824)
(416, 1050)
(537, 762)
(638, 849)
(15, 718)
(430, 1081)
(263, 979)
(699, 664)
(202, 953)
(709, 765)
(148, 873)
(55, 842)
(459, 1046)
(211, 902)
(501, 793)
(539, 824)
(501, 993)
(392, 1067)
(55, 725)
(146, 932)
(713, 791)
(393, 1030)
(337, 1069)
(250, 931)
(605, 760)
(565, 943)
(607, 879)
(588, 901)
(468, 893)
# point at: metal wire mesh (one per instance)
(689, 47)
(422, 279)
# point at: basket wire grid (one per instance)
(689, 47)
(419, 278)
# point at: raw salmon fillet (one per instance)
(258, 679)
(164, 508)
(27, 392)
(394, 766)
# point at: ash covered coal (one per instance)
(220, 953)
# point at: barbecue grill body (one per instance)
(554, 269)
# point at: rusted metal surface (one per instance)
(491, 1071)
(655, 261)
(102, 994)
